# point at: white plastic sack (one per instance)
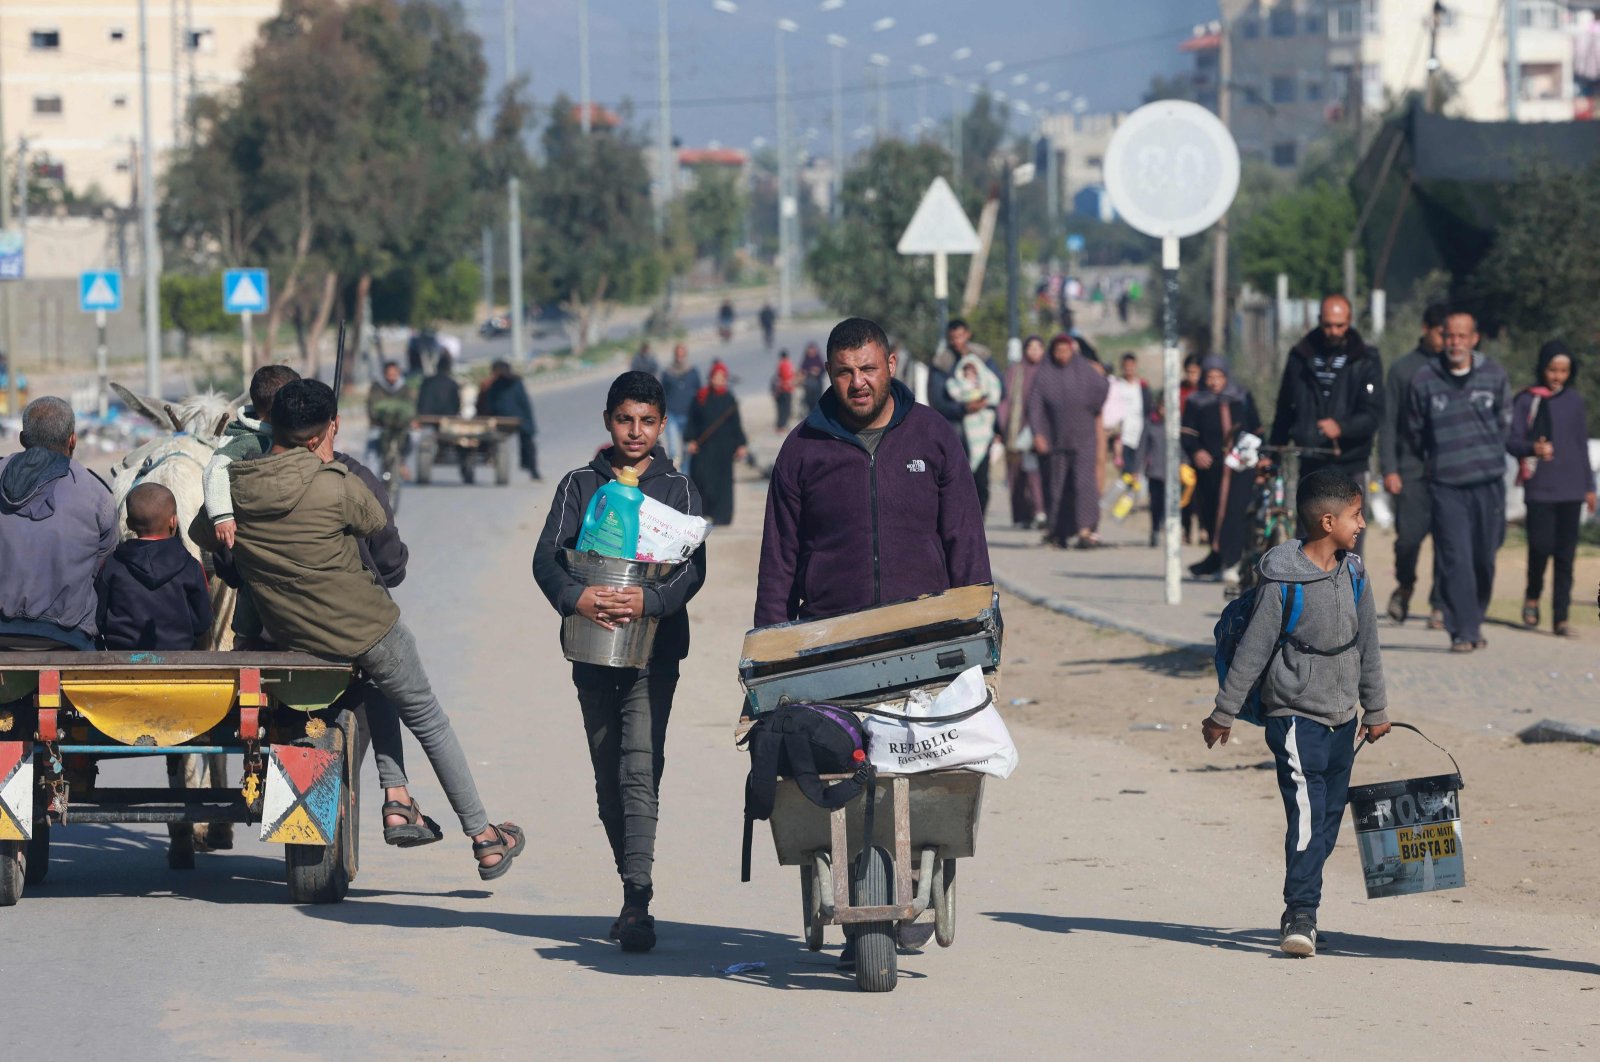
(667, 535)
(979, 742)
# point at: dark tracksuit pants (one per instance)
(625, 717)
(1553, 535)
(1413, 522)
(1314, 762)
(1469, 525)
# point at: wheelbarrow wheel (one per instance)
(13, 863)
(877, 959)
(944, 903)
(37, 862)
(811, 906)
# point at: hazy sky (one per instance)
(723, 65)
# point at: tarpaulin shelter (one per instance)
(1431, 188)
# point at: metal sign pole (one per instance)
(1170, 369)
(247, 359)
(100, 359)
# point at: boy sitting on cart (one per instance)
(298, 513)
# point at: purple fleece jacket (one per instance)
(847, 529)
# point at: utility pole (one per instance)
(488, 270)
(583, 64)
(1013, 268)
(191, 52)
(838, 44)
(7, 302)
(513, 203)
(1430, 100)
(147, 203)
(1219, 247)
(177, 105)
(786, 203)
(664, 160)
(955, 128)
(1513, 59)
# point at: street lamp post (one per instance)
(147, 203)
(513, 203)
(838, 44)
(583, 66)
(788, 207)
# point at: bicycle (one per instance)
(1271, 516)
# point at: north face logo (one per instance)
(917, 465)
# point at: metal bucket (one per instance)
(586, 642)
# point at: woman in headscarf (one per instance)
(716, 440)
(1212, 419)
(1550, 438)
(1063, 410)
(1022, 464)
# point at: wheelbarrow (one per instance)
(922, 823)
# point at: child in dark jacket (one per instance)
(625, 710)
(152, 593)
(1311, 683)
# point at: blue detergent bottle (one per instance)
(611, 524)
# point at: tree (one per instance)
(1302, 233)
(853, 262)
(983, 130)
(591, 203)
(193, 305)
(715, 207)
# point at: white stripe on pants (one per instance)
(1302, 795)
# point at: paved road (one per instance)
(1115, 909)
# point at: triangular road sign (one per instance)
(939, 226)
(99, 293)
(245, 293)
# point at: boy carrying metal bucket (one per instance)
(1310, 656)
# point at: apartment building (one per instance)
(69, 79)
(1080, 142)
(1301, 65)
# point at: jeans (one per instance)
(395, 671)
(677, 424)
(625, 718)
(1314, 762)
(1553, 535)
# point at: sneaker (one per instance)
(1299, 933)
(1400, 604)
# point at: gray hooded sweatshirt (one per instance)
(57, 524)
(1325, 689)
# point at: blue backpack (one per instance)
(1235, 620)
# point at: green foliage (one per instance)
(983, 130)
(192, 304)
(591, 204)
(715, 209)
(451, 295)
(1302, 233)
(853, 262)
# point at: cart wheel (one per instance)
(37, 862)
(810, 905)
(944, 903)
(13, 862)
(502, 462)
(427, 450)
(466, 467)
(877, 960)
(322, 873)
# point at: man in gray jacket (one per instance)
(57, 524)
(1400, 459)
(1311, 670)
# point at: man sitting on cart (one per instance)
(57, 524)
(872, 500)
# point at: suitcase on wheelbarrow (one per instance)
(873, 654)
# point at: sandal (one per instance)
(416, 831)
(634, 929)
(1564, 630)
(510, 845)
(1530, 615)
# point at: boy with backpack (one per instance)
(625, 710)
(1295, 655)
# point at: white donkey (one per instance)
(178, 462)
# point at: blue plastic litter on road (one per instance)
(739, 968)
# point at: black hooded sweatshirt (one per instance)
(1354, 398)
(152, 595)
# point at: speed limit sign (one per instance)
(1172, 169)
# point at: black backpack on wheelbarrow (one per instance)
(803, 742)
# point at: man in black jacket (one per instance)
(1400, 460)
(625, 710)
(1331, 395)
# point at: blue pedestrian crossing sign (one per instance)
(100, 290)
(244, 291)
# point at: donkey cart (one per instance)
(63, 713)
